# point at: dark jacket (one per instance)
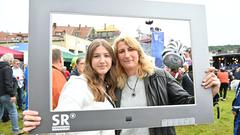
(6, 80)
(187, 83)
(161, 89)
(237, 75)
(74, 72)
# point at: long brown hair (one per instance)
(145, 66)
(93, 80)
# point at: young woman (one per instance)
(94, 89)
(141, 84)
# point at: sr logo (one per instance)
(62, 119)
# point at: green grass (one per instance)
(222, 126)
(6, 128)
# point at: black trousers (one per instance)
(223, 87)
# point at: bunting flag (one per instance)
(157, 47)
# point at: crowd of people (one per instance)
(112, 76)
(11, 90)
(229, 80)
(109, 76)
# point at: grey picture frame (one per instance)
(119, 118)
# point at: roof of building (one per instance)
(65, 29)
(71, 30)
(84, 31)
(226, 55)
(108, 28)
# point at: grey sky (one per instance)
(223, 18)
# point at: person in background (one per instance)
(235, 110)
(231, 78)
(26, 87)
(237, 74)
(18, 74)
(7, 93)
(234, 84)
(66, 72)
(187, 81)
(141, 84)
(185, 68)
(223, 77)
(58, 76)
(94, 89)
(80, 64)
(177, 74)
(188, 56)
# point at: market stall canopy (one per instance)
(17, 54)
(67, 55)
(22, 47)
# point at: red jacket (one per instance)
(223, 77)
(58, 81)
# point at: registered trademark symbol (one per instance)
(72, 115)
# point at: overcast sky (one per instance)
(223, 18)
(173, 29)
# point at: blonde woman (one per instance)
(141, 84)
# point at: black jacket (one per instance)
(187, 82)
(74, 72)
(6, 80)
(161, 89)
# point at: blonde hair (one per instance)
(16, 61)
(93, 80)
(7, 57)
(145, 66)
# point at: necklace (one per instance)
(133, 89)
